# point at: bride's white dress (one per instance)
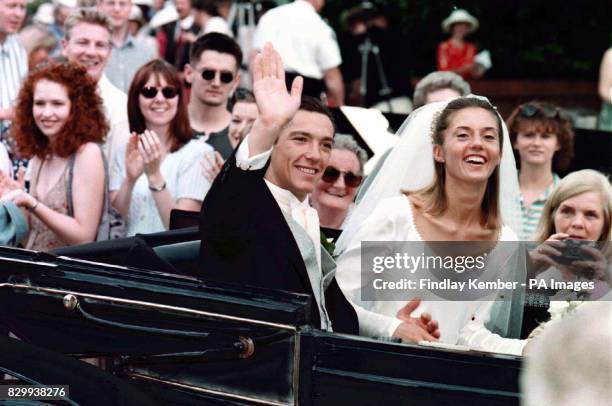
(461, 322)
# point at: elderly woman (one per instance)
(59, 121)
(440, 86)
(159, 169)
(578, 210)
(543, 141)
(448, 191)
(334, 194)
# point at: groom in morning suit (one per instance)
(256, 225)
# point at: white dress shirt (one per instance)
(306, 44)
(13, 68)
(299, 211)
(115, 109)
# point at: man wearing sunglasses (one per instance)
(256, 225)
(213, 74)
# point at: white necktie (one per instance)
(308, 218)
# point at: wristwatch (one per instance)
(157, 188)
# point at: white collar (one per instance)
(187, 22)
(8, 40)
(285, 199)
(103, 81)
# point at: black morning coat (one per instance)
(246, 240)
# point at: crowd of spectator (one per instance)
(132, 108)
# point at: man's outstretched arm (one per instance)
(276, 105)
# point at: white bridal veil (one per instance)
(410, 166)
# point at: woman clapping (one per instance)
(159, 170)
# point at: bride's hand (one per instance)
(413, 333)
(424, 321)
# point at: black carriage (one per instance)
(174, 339)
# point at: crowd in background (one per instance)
(113, 113)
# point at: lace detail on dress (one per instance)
(41, 237)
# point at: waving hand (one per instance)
(276, 105)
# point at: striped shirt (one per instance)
(13, 68)
(531, 214)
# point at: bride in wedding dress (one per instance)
(452, 177)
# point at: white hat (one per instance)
(136, 14)
(44, 14)
(164, 16)
(460, 16)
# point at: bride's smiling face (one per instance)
(471, 149)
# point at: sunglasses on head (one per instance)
(149, 92)
(531, 110)
(332, 174)
(225, 77)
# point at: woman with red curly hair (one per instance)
(59, 117)
(159, 169)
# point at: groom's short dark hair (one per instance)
(314, 105)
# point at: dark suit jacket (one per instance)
(246, 240)
(174, 53)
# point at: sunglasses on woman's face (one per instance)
(547, 110)
(224, 76)
(149, 92)
(332, 174)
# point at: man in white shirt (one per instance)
(256, 224)
(307, 46)
(88, 43)
(13, 59)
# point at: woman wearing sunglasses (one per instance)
(159, 169)
(59, 119)
(334, 194)
(543, 141)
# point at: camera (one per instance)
(573, 252)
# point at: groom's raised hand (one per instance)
(276, 105)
